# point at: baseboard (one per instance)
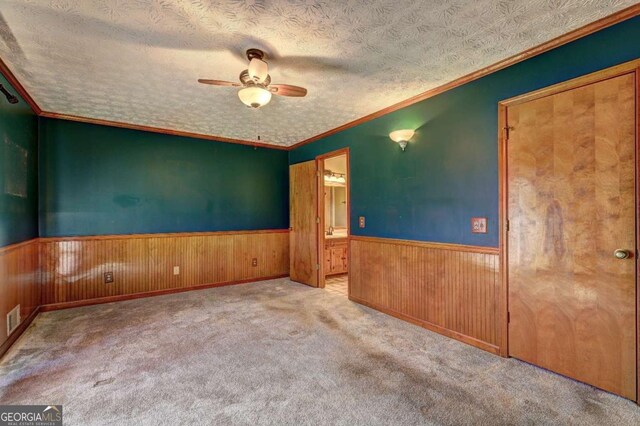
(432, 327)
(339, 274)
(123, 297)
(18, 332)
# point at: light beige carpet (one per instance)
(277, 352)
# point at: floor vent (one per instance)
(13, 320)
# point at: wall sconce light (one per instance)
(10, 98)
(401, 137)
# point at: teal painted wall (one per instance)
(98, 180)
(449, 172)
(19, 177)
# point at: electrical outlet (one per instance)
(254, 262)
(176, 270)
(361, 221)
(108, 277)
(479, 225)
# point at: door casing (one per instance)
(320, 210)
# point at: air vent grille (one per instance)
(13, 320)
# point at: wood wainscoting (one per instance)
(450, 289)
(19, 285)
(73, 269)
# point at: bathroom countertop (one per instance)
(336, 234)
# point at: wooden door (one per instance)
(303, 234)
(571, 204)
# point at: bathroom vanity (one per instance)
(336, 254)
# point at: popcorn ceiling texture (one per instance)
(137, 61)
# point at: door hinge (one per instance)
(317, 173)
(508, 317)
(317, 266)
(508, 225)
(317, 219)
(507, 129)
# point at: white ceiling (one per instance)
(137, 61)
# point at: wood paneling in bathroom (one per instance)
(73, 268)
(19, 285)
(450, 289)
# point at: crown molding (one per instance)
(576, 34)
(11, 78)
(163, 131)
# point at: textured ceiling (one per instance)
(137, 61)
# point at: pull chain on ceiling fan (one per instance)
(256, 83)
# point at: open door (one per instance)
(303, 231)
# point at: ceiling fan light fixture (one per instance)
(254, 96)
(256, 84)
(258, 70)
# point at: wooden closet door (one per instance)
(303, 235)
(571, 205)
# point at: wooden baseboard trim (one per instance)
(432, 327)
(123, 297)
(336, 275)
(18, 332)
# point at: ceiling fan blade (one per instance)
(310, 63)
(287, 90)
(9, 39)
(242, 42)
(289, 62)
(218, 82)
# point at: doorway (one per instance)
(333, 226)
(569, 217)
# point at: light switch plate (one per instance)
(361, 221)
(479, 225)
(176, 270)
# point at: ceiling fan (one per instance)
(256, 83)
